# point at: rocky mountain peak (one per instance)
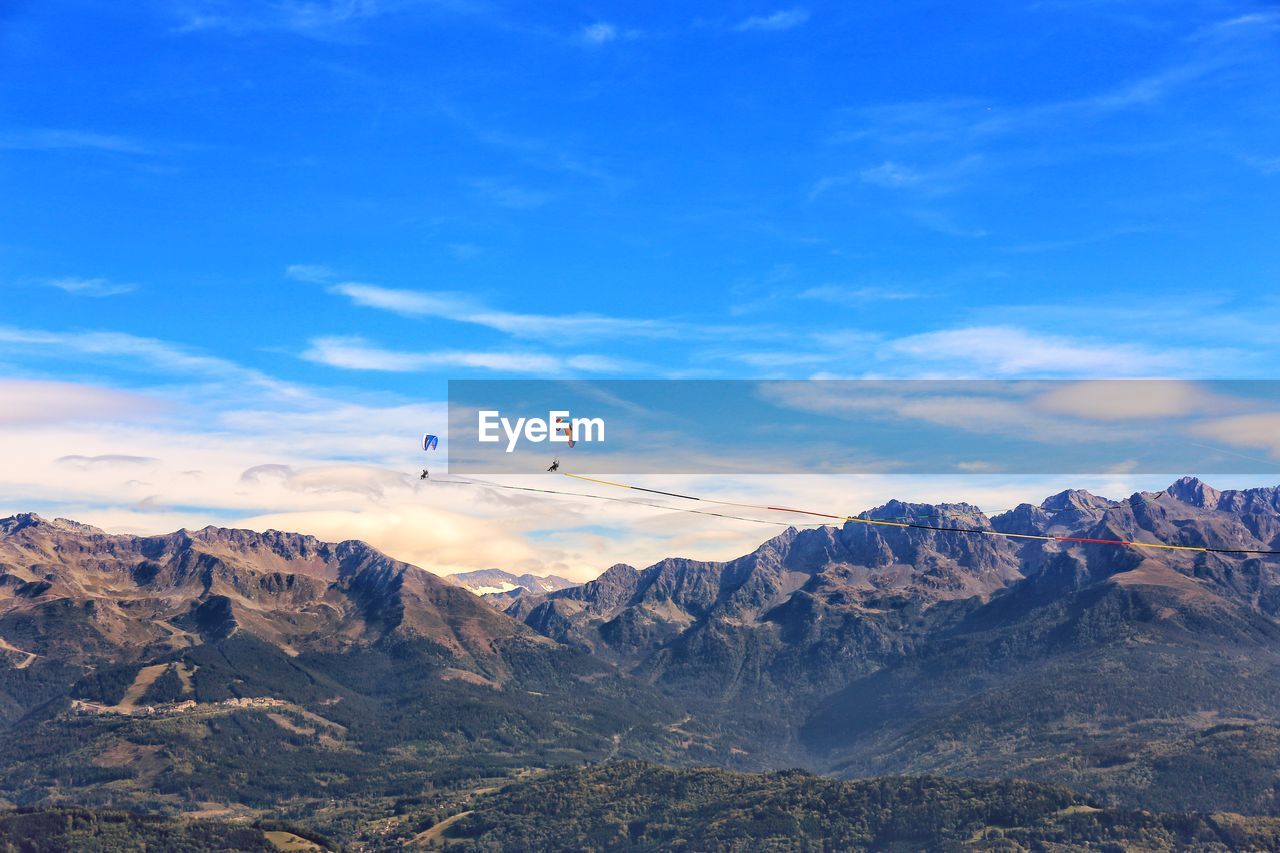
(1077, 499)
(139, 593)
(1194, 491)
(21, 521)
(618, 572)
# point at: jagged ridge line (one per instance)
(970, 530)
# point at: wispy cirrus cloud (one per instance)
(603, 32)
(54, 139)
(891, 174)
(599, 33)
(1195, 319)
(934, 180)
(838, 294)
(1013, 351)
(537, 152)
(321, 19)
(509, 195)
(968, 121)
(342, 21)
(312, 273)
(1266, 22)
(459, 308)
(107, 460)
(1266, 165)
(783, 19)
(92, 286)
(1081, 240)
(413, 303)
(31, 402)
(355, 353)
(137, 353)
(887, 175)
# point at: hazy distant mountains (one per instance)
(499, 587)
(277, 673)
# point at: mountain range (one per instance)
(499, 587)
(226, 666)
(871, 649)
(271, 674)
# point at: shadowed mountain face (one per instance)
(801, 614)
(229, 665)
(1125, 671)
(68, 591)
(870, 573)
(904, 650)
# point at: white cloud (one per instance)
(458, 308)
(856, 295)
(1134, 400)
(1264, 22)
(311, 273)
(107, 459)
(31, 402)
(891, 175)
(1011, 351)
(991, 408)
(260, 481)
(313, 18)
(369, 480)
(509, 195)
(92, 286)
(354, 353)
(412, 303)
(785, 19)
(599, 33)
(433, 538)
(825, 184)
(46, 139)
(1266, 165)
(939, 179)
(137, 352)
(1260, 431)
(464, 251)
(771, 360)
(929, 126)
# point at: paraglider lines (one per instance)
(967, 530)
(467, 482)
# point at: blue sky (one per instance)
(225, 220)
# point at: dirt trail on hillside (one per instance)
(146, 677)
(31, 656)
(433, 834)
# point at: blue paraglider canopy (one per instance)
(429, 442)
